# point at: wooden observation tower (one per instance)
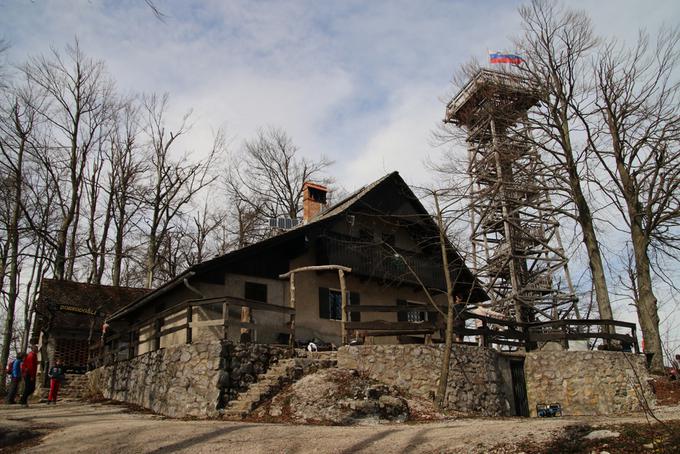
(516, 247)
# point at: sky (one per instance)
(363, 83)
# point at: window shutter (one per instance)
(354, 300)
(402, 316)
(324, 305)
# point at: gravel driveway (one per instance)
(106, 428)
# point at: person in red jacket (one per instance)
(29, 370)
(57, 376)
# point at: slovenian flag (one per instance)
(497, 57)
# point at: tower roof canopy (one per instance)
(491, 92)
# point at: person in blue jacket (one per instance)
(15, 379)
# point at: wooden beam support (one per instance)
(386, 326)
(158, 324)
(395, 333)
(225, 321)
(317, 268)
(291, 338)
(190, 319)
(173, 329)
(241, 302)
(343, 299)
(131, 344)
(386, 308)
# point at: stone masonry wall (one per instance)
(474, 384)
(177, 381)
(586, 383)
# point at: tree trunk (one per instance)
(446, 359)
(13, 238)
(73, 242)
(585, 220)
(117, 256)
(647, 303)
(150, 262)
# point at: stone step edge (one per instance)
(244, 404)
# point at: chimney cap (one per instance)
(309, 184)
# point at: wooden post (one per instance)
(131, 345)
(483, 337)
(157, 333)
(225, 320)
(635, 341)
(291, 335)
(341, 274)
(190, 320)
(343, 298)
(246, 316)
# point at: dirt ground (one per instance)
(108, 428)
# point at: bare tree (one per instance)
(452, 304)
(271, 174)
(127, 170)
(244, 225)
(16, 128)
(556, 46)
(98, 218)
(174, 182)
(637, 143)
(78, 107)
(4, 45)
(203, 225)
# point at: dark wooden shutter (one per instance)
(402, 316)
(354, 300)
(324, 305)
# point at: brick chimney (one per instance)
(313, 200)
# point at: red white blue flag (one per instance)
(497, 57)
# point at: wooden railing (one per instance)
(490, 330)
(123, 345)
(493, 330)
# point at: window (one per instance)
(412, 315)
(330, 304)
(256, 292)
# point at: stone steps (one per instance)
(284, 372)
(75, 387)
(267, 384)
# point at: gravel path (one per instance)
(106, 428)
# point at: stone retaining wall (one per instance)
(587, 383)
(474, 385)
(191, 380)
(177, 381)
(188, 379)
(242, 363)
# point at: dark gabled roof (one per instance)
(324, 217)
(59, 301)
